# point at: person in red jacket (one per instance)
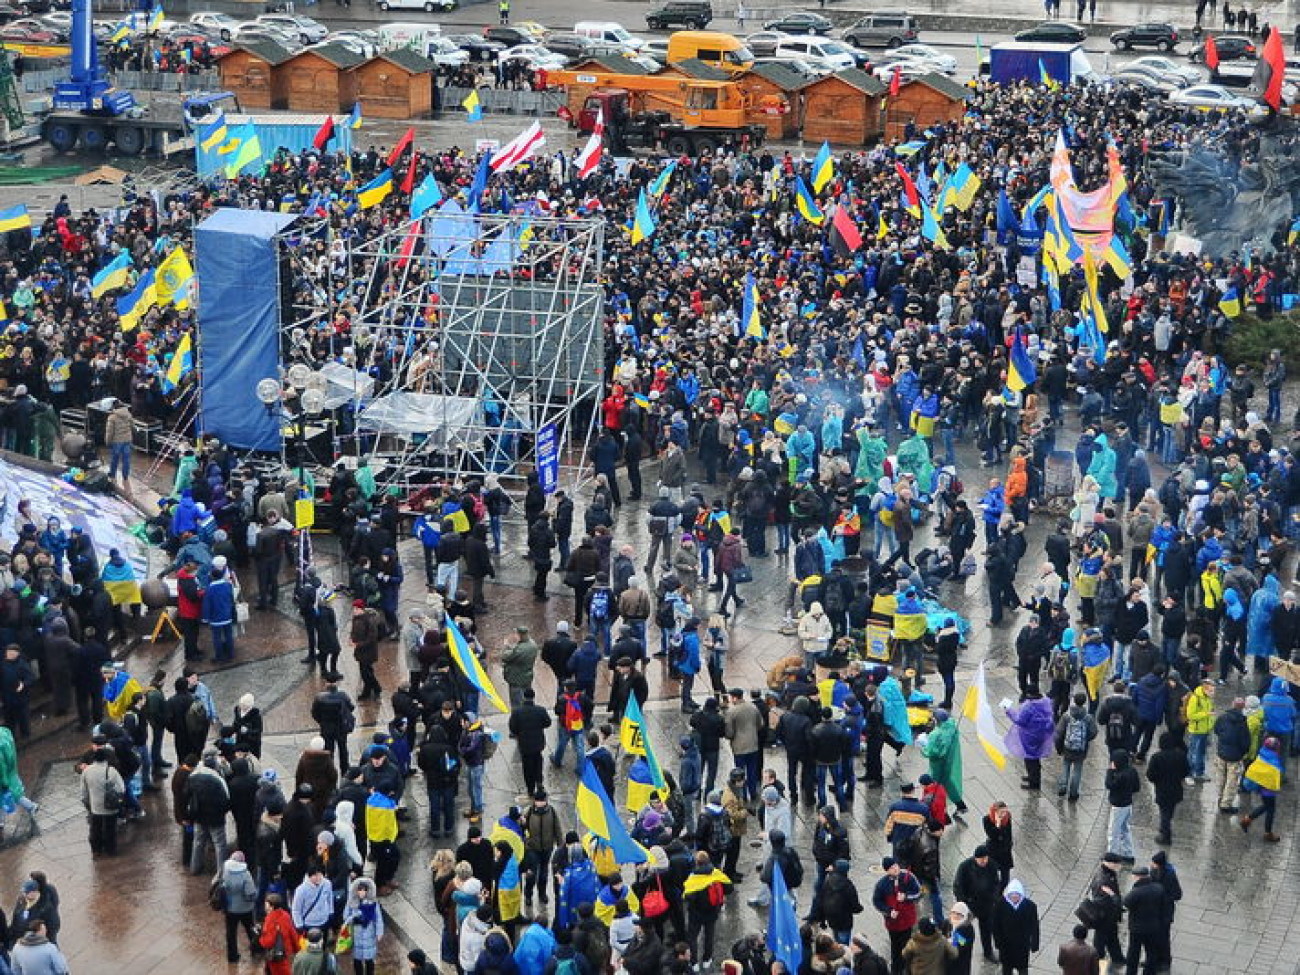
(895, 898)
(278, 937)
(189, 607)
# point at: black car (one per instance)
(572, 46)
(1055, 32)
(479, 48)
(691, 14)
(1231, 47)
(800, 22)
(509, 36)
(1163, 37)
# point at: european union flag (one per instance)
(783, 939)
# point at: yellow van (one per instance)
(713, 48)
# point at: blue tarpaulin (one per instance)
(294, 136)
(239, 324)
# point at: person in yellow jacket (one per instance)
(1199, 710)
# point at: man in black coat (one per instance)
(1148, 921)
(528, 724)
(541, 540)
(792, 729)
(1166, 771)
(478, 564)
(977, 882)
(333, 712)
(1031, 647)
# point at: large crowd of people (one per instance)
(828, 442)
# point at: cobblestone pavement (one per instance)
(140, 913)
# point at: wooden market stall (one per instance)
(842, 108)
(248, 71)
(928, 100)
(776, 92)
(319, 79)
(396, 84)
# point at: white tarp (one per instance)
(442, 419)
(345, 385)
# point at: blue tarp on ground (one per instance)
(294, 136)
(239, 324)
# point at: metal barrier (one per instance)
(503, 101)
(42, 82)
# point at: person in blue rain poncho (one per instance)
(1260, 644)
(1102, 467)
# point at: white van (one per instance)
(820, 51)
(392, 37)
(608, 32)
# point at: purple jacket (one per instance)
(1032, 729)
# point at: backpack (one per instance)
(719, 835)
(113, 796)
(572, 718)
(217, 894)
(599, 608)
(666, 615)
(658, 527)
(489, 747)
(1116, 729)
(1059, 666)
(716, 893)
(1076, 735)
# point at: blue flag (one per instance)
(783, 925)
(859, 354)
(480, 180)
(1008, 222)
(427, 196)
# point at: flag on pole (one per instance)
(132, 307)
(376, 191)
(519, 149)
(1211, 53)
(182, 364)
(843, 225)
(823, 168)
(750, 320)
(175, 279)
(472, 667)
(323, 135)
(354, 120)
(1230, 303)
(663, 179)
(115, 274)
(589, 158)
(805, 203)
(1020, 369)
(428, 196)
(1270, 71)
(895, 83)
(473, 107)
(479, 184)
(1046, 78)
(911, 196)
(404, 143)
(597, 813)
(978, 709)
(408, 181)
(643, 223)
(213, 134)
(783, 939)
(882, 228)
(979, 53)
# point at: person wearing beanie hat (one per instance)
(1233, 740)
(236, 891)
(1163, 872)
(977, 885)
(690, 778)
(528, 724)
(895, 897)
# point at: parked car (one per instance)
(257, 31)
(657, 48)
(225, 24)
(690, 14)
(1213, 98)
(534, 57)
(28, 32)
(1169, 68)
(888, 28)
(1231, 47)
(445, 53)
(9, 13)
(428, 6)
(1163, 37)
(360, 43)
(309, 31)
(805, 69)
(509, 36)
(1146, 80)
(572, 46)
(479, 48)
(924, 54)
(832, 55)
(764, 42)
(800, 22)
(1054, 31)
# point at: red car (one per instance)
(24, 33)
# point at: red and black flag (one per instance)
(1270, 71)
(403, 144)
(324, 134)
(845, 236)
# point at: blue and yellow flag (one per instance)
(1093, 298)
(118, 692)
(632, 736)
(1043, 76)
(121, 33)
(1293, 234)
(470, 665)
(115, 274)
(1094, 661)
(1265, 772)
(155, 18)
(786, 423)
(1230, 303)
(640, 785)
(381, 818)
(932, 230)
(750, 320)
(175, 279)
(244, 148)
(597, 813)
(354, 120)
(1020, 370)
(133, 306)
(1118, 258)
(643, 223)
(665, 177)
(182, 364)
(213, 134)
(473, 107)
(14, 218)
(376, 191)
(120, 583)
(823, 168)
(961, 187)
(804, 202)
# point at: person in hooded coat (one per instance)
(872, 451)
(914, 459)
(1102, 467)
(365, 919)
(579, 884)
(535, 948)
(1031, 735)
(1015, 929)
(943, 748)
(1260, 642)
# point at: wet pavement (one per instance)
(140, 913)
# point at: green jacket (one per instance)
(517, 663)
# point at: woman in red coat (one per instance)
(278, 927)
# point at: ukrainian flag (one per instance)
(640, 785)
(598, 815)
(1020, 371)
(376, 191)
(962, 186)
(155, 18)
(643, 223)
(1294, 233)
(823, 168)
(749, 316)
(175, 279)
(1230, 303)
(115, 274)
(1094, 660)
(786, 424)
(15, 218)
(805, 203)
(1118, 258)
(354, 120)
(245, 146)
(119, 582)
(470, 665)
(1093, 298)
(931, 230)
(182, 364)
(381, 818)
(1265, 772)
(133, 306)
(1051, 83)
(473, 107)
(120, 33)
(214, 134)
(118, 693)
(632, 736)
(663, 179)
(696, 882)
